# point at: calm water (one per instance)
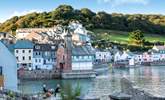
(152, 79)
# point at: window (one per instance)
(16, 51)
(63, 57)
(35, 60)
(29, 51)
(29, 57)
(44, 61)
(39, 60)
(23, 51)
(17, 58)
(47, 53)
(4, 35)
(38, 53)
(23, 58)
(1, 71)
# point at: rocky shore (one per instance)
(103, 89)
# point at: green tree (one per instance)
(136, 37)
(63, 12)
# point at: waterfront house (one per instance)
(103, 56)
(117, 56)
(123, 56)
(131, 62)
(138, 58)
(8, 69)
(44, 56)
(158, 52)
(23, 51)
(82, 58)
(159, 49)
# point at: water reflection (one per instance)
(30, 87)
(151, 79)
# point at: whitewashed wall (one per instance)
(82, 66)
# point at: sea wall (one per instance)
(38, 74)
(137, 93)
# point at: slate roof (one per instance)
(82, 50)
(45, 47)
(130, 53)
(23, 44)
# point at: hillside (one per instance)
(123, 37)
(151, 24)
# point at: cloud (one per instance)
(123, 2)
(18, 13)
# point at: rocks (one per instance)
(120, 96)
(136, 92)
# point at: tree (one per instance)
(87, 13)
(63, 12)
(136, 37)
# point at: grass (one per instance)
(122, 37)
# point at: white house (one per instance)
(8, 69)
(82, 58)
(79, 34)
(158, 52)
(103, 56)
(23, 51)
(132, 62)
(122, 56)
(138, 58)
(117, 56)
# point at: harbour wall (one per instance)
(38, 74)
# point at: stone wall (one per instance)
(38, 74)
(136, 92)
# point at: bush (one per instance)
(70, 93)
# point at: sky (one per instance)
(10, 8)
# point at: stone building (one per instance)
(75, 61)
